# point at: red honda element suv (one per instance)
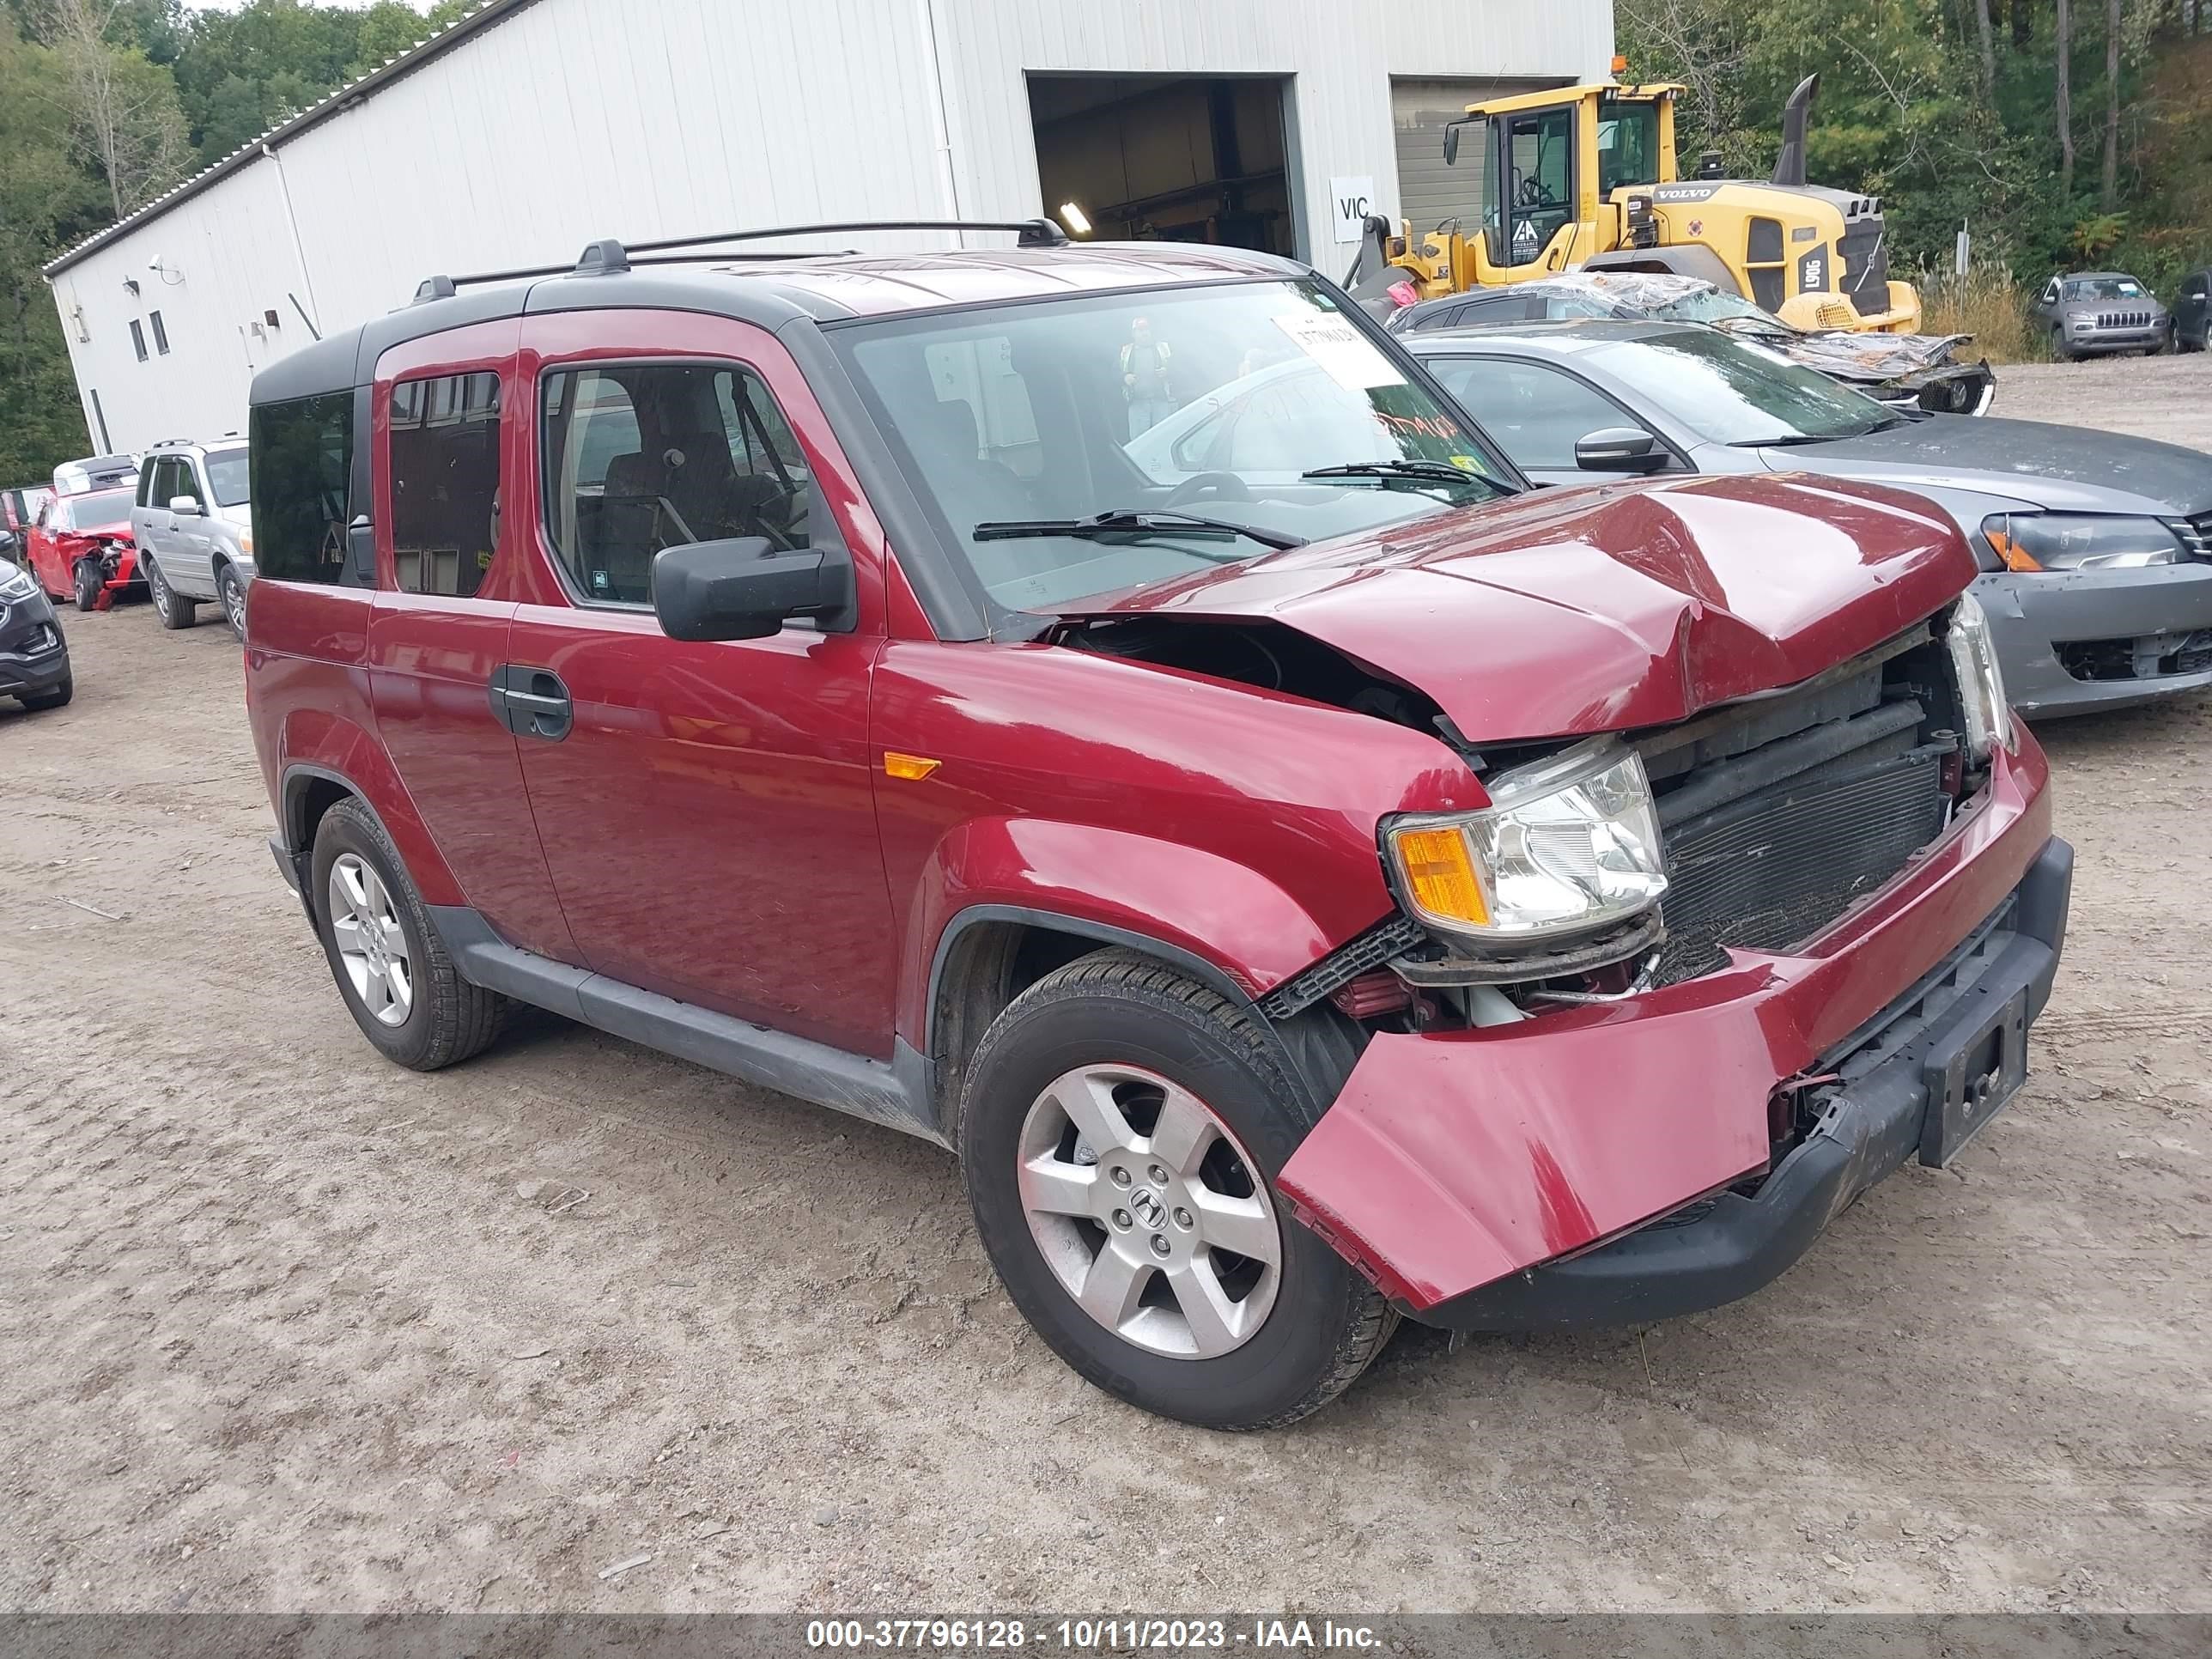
(1308, 876)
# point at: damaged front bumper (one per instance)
(2077, 642)
(1508, 1178)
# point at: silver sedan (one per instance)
(2096, 548)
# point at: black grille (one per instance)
(2124, 319)
(1865, 275)
(1771, 870)
(2196, 535)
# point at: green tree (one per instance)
(47, 200)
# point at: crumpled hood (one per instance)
(1869, 358)
(1576, 611)
(2059, 468)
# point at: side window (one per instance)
(445, 482)
(1538, 414)
(148, 483)
(175, 479)
(642, 457)
(302, 466)
(2196, 286)
(1573, 305)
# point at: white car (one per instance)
(193, 525)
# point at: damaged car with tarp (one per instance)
(1914, 371)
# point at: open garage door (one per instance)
(1429, 192)
(1171, 158)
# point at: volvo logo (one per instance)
(1149, 1207)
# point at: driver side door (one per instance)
(707, 809)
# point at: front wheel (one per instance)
(1120, 1133)
(89, 583)
(231, 593)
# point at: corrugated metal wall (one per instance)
(574, 118)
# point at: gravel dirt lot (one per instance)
(282, 1326)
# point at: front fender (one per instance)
(1227, 921)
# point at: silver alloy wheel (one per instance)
(1165, 1237)
(233, 600)
(371, 944)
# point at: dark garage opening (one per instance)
(1167, 158)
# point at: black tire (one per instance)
(1122, 1008)
(174, 609)
(451, 1019)
(230, 594)
(89, 585)
(37, 702)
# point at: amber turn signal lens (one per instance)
(1441, 874)
(910, 767)
(2016, 556)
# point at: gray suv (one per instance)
(2091, 312)
(194, 528)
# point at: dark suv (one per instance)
(1306, 878)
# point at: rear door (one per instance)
(707, 809)
(438, 628)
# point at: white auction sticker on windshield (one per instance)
(1345, 354)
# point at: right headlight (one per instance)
(16, 582)
(1568, 845)
(2080, 541)
(1981, 682)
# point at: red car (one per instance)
(80, 547)
(1306, 876)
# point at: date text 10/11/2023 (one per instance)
(1083, 1635)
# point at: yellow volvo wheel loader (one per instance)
(1584, 177)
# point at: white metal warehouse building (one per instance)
(533, 126)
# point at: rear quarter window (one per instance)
(302, 464)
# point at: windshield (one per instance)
(1214, 402)
(89, 512)
(1732, 392)
(2104, 287)
(225, 472)
(1710, 305)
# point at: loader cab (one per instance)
(1552, 164)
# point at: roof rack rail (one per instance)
(608, 255)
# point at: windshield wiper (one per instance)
(1127, 521)
(1419, 471)
(1791, 440)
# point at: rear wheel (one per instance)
(89, 583)
(392, 968)
(231, 593)
(174, 609)
(1122, 1129)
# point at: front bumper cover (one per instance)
(1732, 1244)
(1452, 1159)
(2033, 615)
(34, 654)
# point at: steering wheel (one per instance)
(1221, 486)
(1533, 193)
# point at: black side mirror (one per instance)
(744, 588)
(1619, 449)
(1451, 145)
